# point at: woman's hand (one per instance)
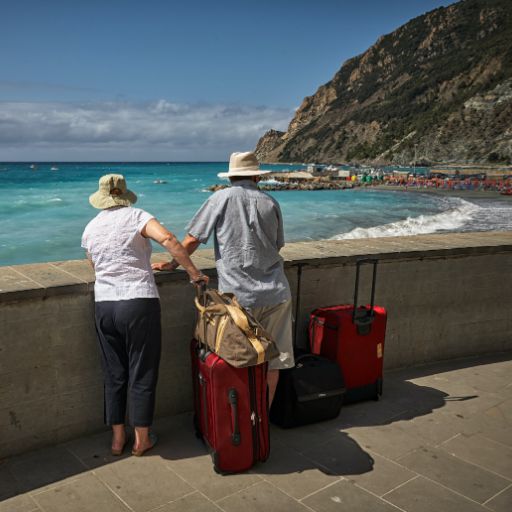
(163, 265)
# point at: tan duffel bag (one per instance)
(230, 331)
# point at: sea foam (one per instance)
(458, 213)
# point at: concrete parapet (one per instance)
(448, 296)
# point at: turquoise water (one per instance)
(43, 211)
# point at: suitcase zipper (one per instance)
(254, 416)
(202, 382)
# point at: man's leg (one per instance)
(272, 380)
(277, 321)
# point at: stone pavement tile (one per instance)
(391, 441)
(44, 467)
(94, 451)
(484, 452)
(460, 396)
(422, 495)
(502, 502)
(412, 398)
(463, 477)
(259, 497)
(345, 496)
(194, 502)
(490, 377)
(502, 411)
(188, 457)
(435, 428)
(143, 482)
(293, 473)
(369, 413)
(469, 404)
(9, 486)
(384, 476)
(85, 494)
(341, 455)
(22, 503)
(302, 438)
(491, 424)
(199, 473)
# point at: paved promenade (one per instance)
(439, 440)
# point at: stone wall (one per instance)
(447, 296)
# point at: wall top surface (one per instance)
(41, 280)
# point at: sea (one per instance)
(44, 207)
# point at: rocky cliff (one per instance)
(439, 88)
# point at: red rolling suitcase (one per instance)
(354, 337)
(231, 410)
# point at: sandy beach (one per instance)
(463, 194)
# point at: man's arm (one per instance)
(190, 243)
(202, 225)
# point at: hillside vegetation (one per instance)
(439, 87)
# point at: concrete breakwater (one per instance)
(290, 185)
(447, 296)
(299, 180)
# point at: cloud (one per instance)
(158, 130)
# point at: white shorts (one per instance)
(277, 321)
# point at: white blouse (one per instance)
(121, 255)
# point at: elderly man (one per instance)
(248, 233)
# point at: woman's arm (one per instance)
(190, 243)
(154, 230)
(89, 259)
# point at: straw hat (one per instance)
(243, 164)
(112, 192)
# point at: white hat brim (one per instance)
(241, 173)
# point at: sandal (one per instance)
(117, 451)
(141, 451)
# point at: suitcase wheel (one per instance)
(378, 390)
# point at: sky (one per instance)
(166, 80)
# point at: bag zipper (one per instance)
(220, 332)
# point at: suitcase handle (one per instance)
(364, 321)
(233, 401)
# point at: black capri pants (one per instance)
(129, 333)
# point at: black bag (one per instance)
(311, 391)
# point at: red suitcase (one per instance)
(231, 410)
(354, 337)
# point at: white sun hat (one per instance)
(243, 164)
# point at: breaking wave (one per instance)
(459, 213)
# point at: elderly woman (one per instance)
(127, 306)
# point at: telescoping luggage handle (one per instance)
(363, 318)
(201, 296)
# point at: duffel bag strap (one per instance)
(242, 323)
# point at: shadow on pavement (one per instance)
(325, 447)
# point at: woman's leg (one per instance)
(143, 335)
(114, 359)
